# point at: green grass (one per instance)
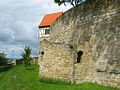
(18, 78)
(54, 81)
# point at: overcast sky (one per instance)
(18, 24)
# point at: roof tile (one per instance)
(49, 19)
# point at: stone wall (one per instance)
(34, 60)
(16, 62)
(92, 27)
(56, 60)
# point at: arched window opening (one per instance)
(42, 53)
(79, 55)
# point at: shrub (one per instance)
(3, 59)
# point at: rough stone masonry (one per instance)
(84, 45)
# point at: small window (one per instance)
(79, 55)
(47, 31)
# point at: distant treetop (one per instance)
(72, 2)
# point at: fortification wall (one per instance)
(94, 27)
(56, 60)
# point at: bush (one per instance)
(3, 59)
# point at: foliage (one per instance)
(26, 56)
(71, 46)
(17, 78)
(3, 59)
(72, 2)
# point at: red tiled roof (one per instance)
(49, 19)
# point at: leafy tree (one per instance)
(26, 56)
(3, 59)
(72, 2)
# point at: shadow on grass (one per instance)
(54, 81)
(31, 69)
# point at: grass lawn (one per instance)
(17, 78)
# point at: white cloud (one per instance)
(19, 21)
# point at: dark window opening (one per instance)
(79, 54)
(47, 31)
(42, 53)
